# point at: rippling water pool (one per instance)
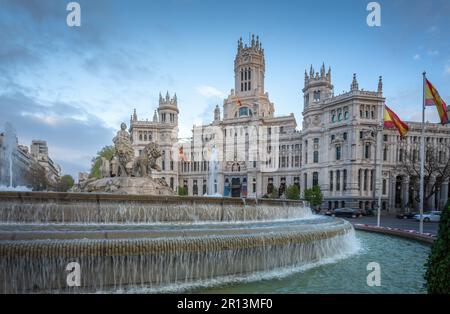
(401, 263)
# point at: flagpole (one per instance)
(380, 167)
(422, 158)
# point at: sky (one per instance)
(73, 86)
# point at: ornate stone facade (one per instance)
(336, 148)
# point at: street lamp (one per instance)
(378, 132)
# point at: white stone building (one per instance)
(258, 150)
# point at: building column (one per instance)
(444, 194)
(432, 200)
(405, 192)
(391, 192)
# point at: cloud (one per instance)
(416, 57)
(433, 52)
(209, 91)
(433, 29)
(447, 69)
(73, 135)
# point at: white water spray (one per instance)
(7, 160)
(212, 174)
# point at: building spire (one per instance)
(167, 96)
(155, 116)
(380, 85)
(311, 72)
(329, 74)
(217, 113)
(134, 115)
(322, 70)
(355, 85)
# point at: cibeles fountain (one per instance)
(127, 174)
(123, 239)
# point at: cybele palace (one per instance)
(336, 148)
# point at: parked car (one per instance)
(429, 216)
(345, 212)
(406, 215)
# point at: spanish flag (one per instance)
(181, 154)
(432, 98)
(239, 102)
(391, 120)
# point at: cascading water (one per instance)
(7, 154)
(151, 244)
(8, 151)
(212, 174)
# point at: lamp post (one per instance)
(378, 131)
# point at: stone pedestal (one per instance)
(129, 185)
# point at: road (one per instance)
(393, 222)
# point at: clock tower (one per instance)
(249, 67)
(248, 98)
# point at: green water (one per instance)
(401, 263)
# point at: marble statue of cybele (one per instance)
(124, 150)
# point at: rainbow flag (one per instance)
(432, 98)
(391, 120)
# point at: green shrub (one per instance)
(437, 273)
(293, 193)
(182, 191)
(274, 193)
(314, 196)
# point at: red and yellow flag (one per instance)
(181, 154)
(391, 120)
(432, 98)
(239, 102)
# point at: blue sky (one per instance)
(73, 86)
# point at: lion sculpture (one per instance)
(143, 165)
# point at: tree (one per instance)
(274, 193)
(293, 192)
(64, 183)
(436, 167)
(182, 191)
(106, 152)
(437, 273)
(36, 176)
(314, 196)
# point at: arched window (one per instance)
(316, 156)
(338, 152)
(317, 95)
(367, 151)
(366, 175)
(244, 112)
(344, 185)
(315, 178)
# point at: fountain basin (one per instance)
(122, 241)
(49, 207)
(157, 258)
